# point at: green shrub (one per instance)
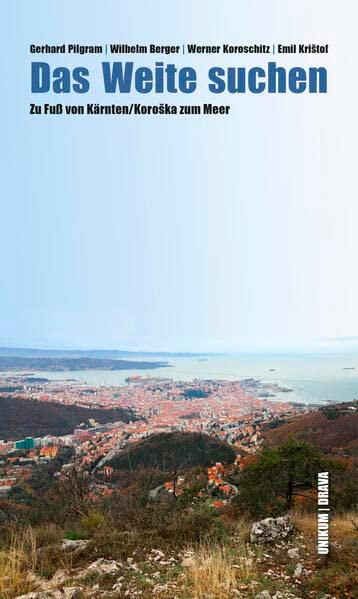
(75, 535)
(268, 486)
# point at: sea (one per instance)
(314, 378)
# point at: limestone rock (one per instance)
(270, 529)
(55, 594)
(160, 588)
(104, 566)
(72, 593)
(59, 578)
(298, 570)
(285, 595)
(68, 544)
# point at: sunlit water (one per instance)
(314, 378)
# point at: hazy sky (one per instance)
(186, 233)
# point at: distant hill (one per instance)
(73, 364)
(168, 450)
(23, 352)
(20, 418)
(332, 427)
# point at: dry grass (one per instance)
(211, 574)
(305, 523)
(243, 527)
(215, 572)
(245, 561)
(341, 525)
(48, 534)
(30, 552)
(344, 525)
(17, 562)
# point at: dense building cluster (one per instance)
(233, 411)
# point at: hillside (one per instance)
(71, 536)
(169, 450)
(330, 428)
(24, 417)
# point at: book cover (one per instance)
(178, 303)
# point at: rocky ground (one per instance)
(275, 563)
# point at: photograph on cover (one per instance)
(178, 300)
